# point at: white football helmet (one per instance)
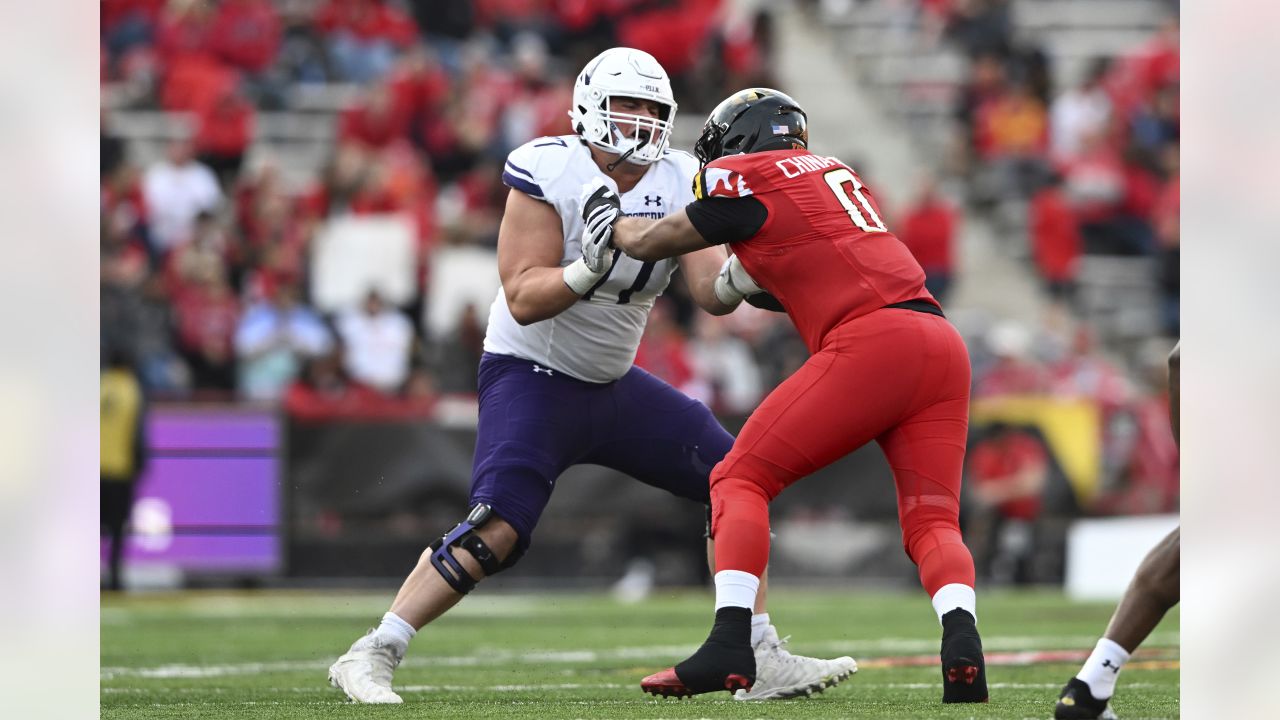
(623, 72)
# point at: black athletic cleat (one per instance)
(964, 671)
(724, 662)
(1078, 703)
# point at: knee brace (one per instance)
(464, 535)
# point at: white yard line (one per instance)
(486, 656)
(548, 686)
(219, 606)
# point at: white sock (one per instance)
(735, 588)
(955, 595)
(395, 628)
(759, 623)
(1102, 668)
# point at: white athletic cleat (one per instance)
(364, 672)
(781, 675)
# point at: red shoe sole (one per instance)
(666, 684)
(961, 678)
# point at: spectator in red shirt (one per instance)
(246, 35)
(185, 32)
(418, 84)
(376, 121)
(206, 314)
(664, 351)
(1055, 239)
(928, 229)
(1158, 62)
(1151, 472)
(747, 52)
(192, 75)
(223, 134)
(1007, 471)
(674, 33)
(324, 392)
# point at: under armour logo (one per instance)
(538, 368)
(1108, 664)
(655, 200)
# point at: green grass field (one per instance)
(265, 655)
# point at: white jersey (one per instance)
(596, 338)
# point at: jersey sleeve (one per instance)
(533, 167)
(732, 176)
(721, 220)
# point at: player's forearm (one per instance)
(700, 272)
(703, 292)
(652, 240)
(638, 238)
(538, 293)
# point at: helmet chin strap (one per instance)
(622, 158)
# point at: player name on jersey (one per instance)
(801, 164)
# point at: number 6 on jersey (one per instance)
(864, 217)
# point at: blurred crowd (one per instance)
(206, 257)
(1090, 169)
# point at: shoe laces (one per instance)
(777, 648)
(383, 659)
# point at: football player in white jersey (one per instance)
(557, 383)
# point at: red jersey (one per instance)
(824, 251)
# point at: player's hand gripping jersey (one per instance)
(596, 338)
(823, 250)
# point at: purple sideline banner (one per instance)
(209, 501)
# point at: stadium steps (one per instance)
(297, 143)
(1120, 297)
(854, 114)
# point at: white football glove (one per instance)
(601, 208)
(733, 283)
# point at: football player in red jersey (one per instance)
(885, 365)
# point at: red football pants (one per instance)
(898, 377)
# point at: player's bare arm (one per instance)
(701, 268)
(717, 289)
(650, 240)
(530, 245)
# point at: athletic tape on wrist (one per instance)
(579, 277)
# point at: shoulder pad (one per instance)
(722, 178)
(530, 166)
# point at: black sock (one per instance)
(957, 619)
(964, 671)
(732, 626)
(727, 651)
